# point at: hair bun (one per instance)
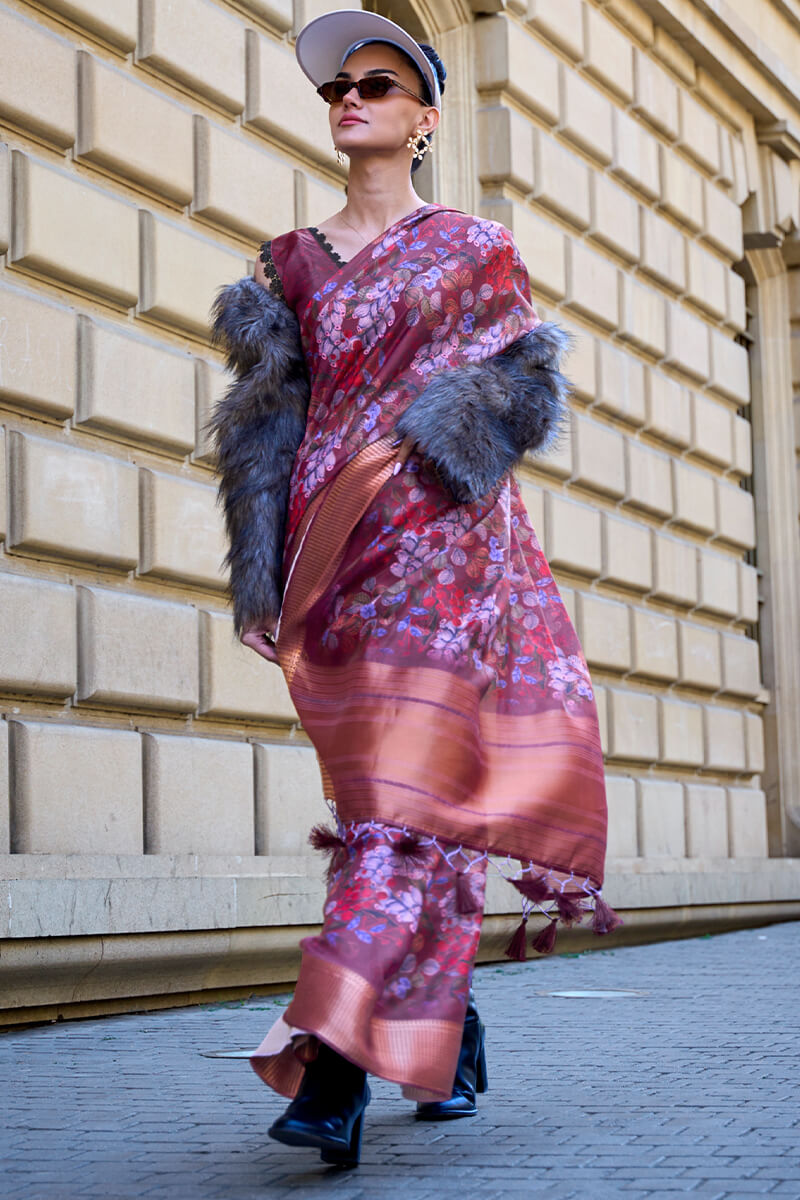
(436, 63)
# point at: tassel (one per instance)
(408, 847)
(545, 939)
(516, 947)
(322, 837)
(465, 897)
(605, 920)
(570, 910)
(536, 889)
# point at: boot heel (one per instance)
(350, 1157)
(481, 1077)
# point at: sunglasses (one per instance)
(371, 87)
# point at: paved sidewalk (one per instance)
(691, 1086)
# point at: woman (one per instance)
(390, 371)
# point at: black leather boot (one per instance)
(470, 1073)
(328, 1111)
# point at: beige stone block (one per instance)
(742, 439)
(581, 363)
(730, 368)
(717, 583)
(668, 409)
(663, 255)
(210, 383)
(711, 430)
(654, 644)
(113, 20)
(5, 197)
(561, 23)
(623, 822)
(627, 554)
(314, 200)
(642, 317)
(748, 593)
(569, 596)
(235, 681)
(540, 244)
(182, 534)
(603, 629)
(134, 388)
(615, 218)
(620, 384)
(198, 795)
(45, 107)
(629, 13)
(561, 180)
(572, 535)
(277, 13)
(724, 738)
(609, 55)
(655, 95)
(681, 190)
(38, 652)
(200, 46)
(3, 486)
(505, 150)
(694, 497)
(73, 231)
(706, 821)
(706, 280)
(289, 799)
(699, 133)
(741, 670)
(599, 700)
(130, 129)
(72, 503)
(586, 117)
(5, 810)
(533, 499)
(38, 353)
(754, 742)
(722, 222)
(674, 56)
(636, 156)
(662, 833)
(307, 10)
(681, 727)
(736, 518)
(736, 310)
(78, 790)
(181, 273)
(598, 455)
(648, 479)
(591, 285)
(700, 657)
(633, 725)
(687, 343)
(136, 651)
(747, 823)
(507, 58)
(674, 570)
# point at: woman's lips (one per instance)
(352, 121)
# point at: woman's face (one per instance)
(384, 125)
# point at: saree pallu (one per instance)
(425, 645)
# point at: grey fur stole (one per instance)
(257, 428)
(473, 422)
(476, 422)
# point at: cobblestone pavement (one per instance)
(689, 1086)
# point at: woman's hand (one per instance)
(260, 638)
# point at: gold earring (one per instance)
(419, 144)
(341, 158)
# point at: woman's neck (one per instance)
(377, 196)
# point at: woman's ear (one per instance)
(429, 121)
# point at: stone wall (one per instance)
(158, 790)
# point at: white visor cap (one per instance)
(324, 43)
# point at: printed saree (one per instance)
(425, 645)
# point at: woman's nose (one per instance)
(350, 98)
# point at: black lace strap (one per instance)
(271, 271)
(326, 246)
